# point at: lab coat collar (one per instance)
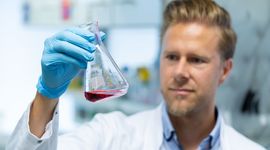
(154, 130)
(223, 136)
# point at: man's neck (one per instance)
(191, 129)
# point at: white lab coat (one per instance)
(114, 131)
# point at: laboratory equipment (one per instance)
(103, 78)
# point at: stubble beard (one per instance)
(176, 109)
(176, 106)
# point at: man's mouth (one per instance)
(182, 91)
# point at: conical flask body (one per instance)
(103, 78)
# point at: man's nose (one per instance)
(181, 71)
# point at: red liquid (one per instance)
(97, 95)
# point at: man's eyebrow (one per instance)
(167, 53)
(202, 56)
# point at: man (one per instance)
(197, 49)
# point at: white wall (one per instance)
(20, 53)
(134, 47)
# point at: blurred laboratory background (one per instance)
(133, 29)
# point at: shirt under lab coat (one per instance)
(113, 131)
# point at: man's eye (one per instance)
(172, 57)
(197, 60)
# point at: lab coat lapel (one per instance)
(224, 145)
(154, 130)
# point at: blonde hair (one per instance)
(206, 12)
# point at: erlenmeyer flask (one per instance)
(103, 78)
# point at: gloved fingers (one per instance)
(70, 50)
(76, 40)
(88, 35)
(59, 58)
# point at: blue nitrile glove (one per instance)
(64, 55)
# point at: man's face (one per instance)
(191, 68)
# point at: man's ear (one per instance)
(226, 69)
